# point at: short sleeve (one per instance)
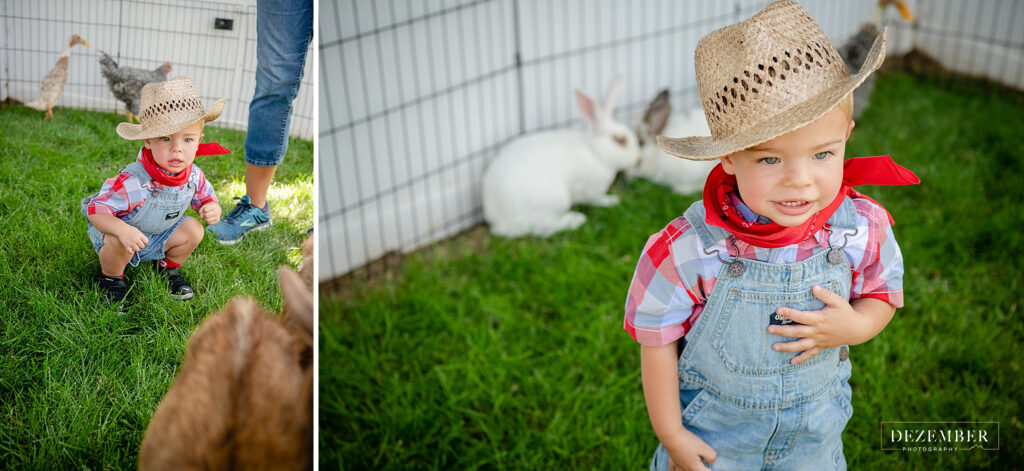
(118, 196)
(204, 189)
(660, 303)
(879, 274)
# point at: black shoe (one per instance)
(114, 289)
(180, 288)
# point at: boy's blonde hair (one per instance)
(847, 106)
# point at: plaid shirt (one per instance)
(123, 195)
(674, 277)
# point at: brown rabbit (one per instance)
(243, 399)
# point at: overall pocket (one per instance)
(162, 210)
(741, 337)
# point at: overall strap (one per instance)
(138, 171)
(708, 234)
(845, 215)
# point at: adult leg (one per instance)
(284, 29)
(257, 183)
(283, 32)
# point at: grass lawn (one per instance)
(78, 382)
(487, 353)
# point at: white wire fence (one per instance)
(416, 97)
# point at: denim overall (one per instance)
(745, 399)
(157, 218)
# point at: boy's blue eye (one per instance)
(769, 160)
(165, 139)
(821, 155)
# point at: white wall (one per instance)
(141, 34)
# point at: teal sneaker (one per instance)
(244, 218)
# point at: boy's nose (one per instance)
(799, 174)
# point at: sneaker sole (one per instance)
(183, 297)
(254, 228)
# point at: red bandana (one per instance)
(166, 179)
(880, 170)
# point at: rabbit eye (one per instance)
(620, 140)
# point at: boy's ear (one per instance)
(146, 143)
(849, 130)
(727, 165)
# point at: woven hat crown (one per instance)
(766, 76)
(168, 107)
(758, 68)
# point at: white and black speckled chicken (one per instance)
(126, 82)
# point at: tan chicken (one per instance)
(53, 82)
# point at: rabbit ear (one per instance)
(611, 97)
(587, 108)
(297, 298)
(657, 114)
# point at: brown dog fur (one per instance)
(243, 398)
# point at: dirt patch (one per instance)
(915, 61)
(389, 268)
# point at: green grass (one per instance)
(487, 353)
(78, 382)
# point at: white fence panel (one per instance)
(984, 38)
(416, 97)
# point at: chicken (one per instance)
(54, 80)
(856, 49)
(126, 82)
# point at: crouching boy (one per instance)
(139, 214)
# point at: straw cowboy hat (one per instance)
(764, 77)
(169, 107)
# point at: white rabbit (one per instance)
(682, 175)
(532, 184)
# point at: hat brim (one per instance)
(133, 132)
(708, 148)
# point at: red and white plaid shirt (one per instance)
(674, 276)
(124, 194)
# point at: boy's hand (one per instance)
(131, 238)
(210, 212)
(831, 326)
(688, 452)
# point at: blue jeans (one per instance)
(283, 31)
